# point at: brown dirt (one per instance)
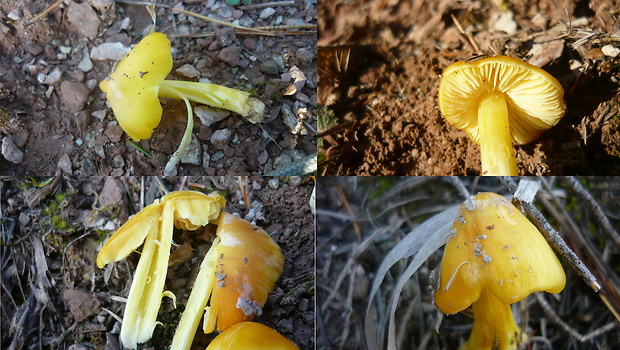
(66, 127)
(385, 96)
(70, 217)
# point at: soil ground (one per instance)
(64, 126)
(53, 294)
(361, 219)
(379, 70)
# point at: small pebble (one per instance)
(267, 12)
(64, 163)
(109, 52)
(10, 151)
(187, 70)
(221, 136)
(230, 55)
(209, 115)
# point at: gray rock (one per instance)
(73, 94)
(221, 137)
(64, 163)
(305, 56)
(118, 161)
(101, 4)
(193, 154)
(269, 67)
(85, 64)
(187, 70)
(274, 183)
(84, 19)
(230, 55)
(262, 158)
(10, 151)
(217, 156)
(111, 193)
(34, 49)
(50, 78)
(109, 52)
(282, 161)
(267, 12)
(209, 115)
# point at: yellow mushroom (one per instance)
(494, 257)
(154, 226)
(499, 101)
(132, 91)
(251, 336)
(235, 278)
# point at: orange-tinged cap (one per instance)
(248, 265)
(493, 246)
(132, 89)
(251, 335)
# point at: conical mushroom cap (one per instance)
(248, 265)
(133, 87)
(494, 246)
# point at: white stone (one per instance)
(221, 136)
(265, 13)
(209, 115)
(610, 51)
(109, 51)
(85, 64)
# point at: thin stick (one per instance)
(469, 39)
(209, 19)
(594, 208)
(267, 4)
(44, 13)
(568, 329)
(553, 238)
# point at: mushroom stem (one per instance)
(493, 324)
(147, 287)
(496, 150)
(198, 298)
(171, 166)
(218, 96)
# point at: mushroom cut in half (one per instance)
(499, 101)
(494, 257)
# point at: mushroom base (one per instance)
(494, 326)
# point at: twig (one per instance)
(456, 182)
(267, 4)
(553, 238)
(469, 38)
(245, 192)
(345, 202)
(43, 14)
(568, 329)
(594, 208)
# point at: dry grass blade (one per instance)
(422, 242)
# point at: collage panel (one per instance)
(468, 262)
(171, 87)
(436, 88)
(157, 262)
